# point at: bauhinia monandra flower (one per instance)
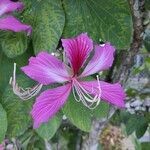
(47, 69)
(7, 21)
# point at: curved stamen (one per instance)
(99, 87)
(90, 99)
(74, 94)
(24, 94)
(85, 96)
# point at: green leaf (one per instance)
(147, 4)
(26, 15)
(145, 145)
(17, 110)
(36, 143)
(78, 114)
(25, 138)
(131, 125)
(6, 67)
(108, 20)
(81, 116)
(101, 110)
(6, 70)
(3, 123)
(141, 128)
(48, 24)
(136, 123)
(48, 130)
(136, 142)
(14, 44)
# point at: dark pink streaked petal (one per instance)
(49, 103)
(111, 93)
(7, 6)
(46, 69)
(102, 59)
(11, 23)
(77, 50)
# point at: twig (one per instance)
(47, 145)
(97, 126)
(123, 73)
(78, 141)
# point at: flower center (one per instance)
(87, 98)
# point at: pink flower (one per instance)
(7, 21)
(47, 69)
(1, 147)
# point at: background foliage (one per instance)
(52, 20)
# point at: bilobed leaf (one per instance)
(47, 130)
(109, 20)
(49, 22)
(18, 111)
(3, 123)
(81, 116)
(14, 44)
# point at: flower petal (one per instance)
(77, 50)
(112, 93)
(7, 6)
(1, 147)
(49, 103)
(46, 69)
(11, 23)
(102, 60)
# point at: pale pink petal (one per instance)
(11, 23)
(7, 6)
(112, 93)
(102, 59)
(46, 69)
(77, 50)
(1, 147)
(49, 103)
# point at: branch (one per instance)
(92, 142)
(47, 145)
(122, 74)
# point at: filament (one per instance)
(81, 94)
(24, 94)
